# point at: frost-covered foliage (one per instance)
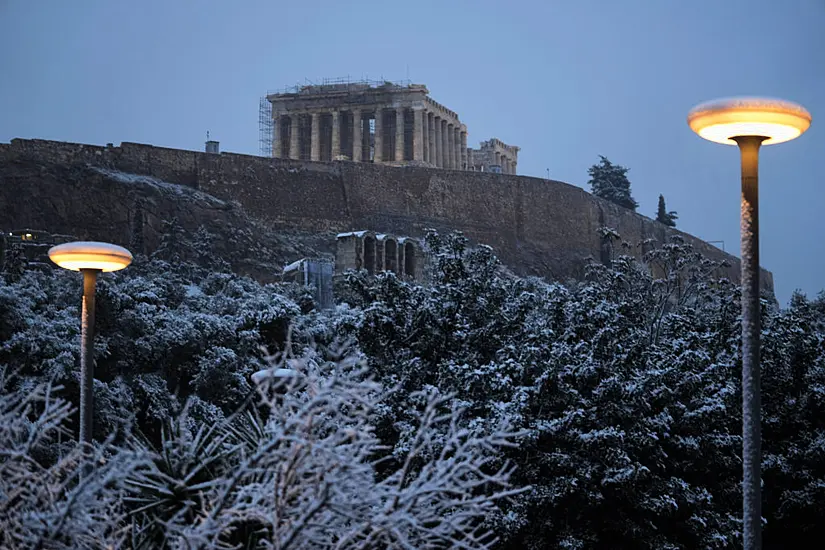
(165, 333)
(624, 389)
(50, 497)
(627, 385)
(296, 469)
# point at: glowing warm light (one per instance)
(723, 119)
(90, 255)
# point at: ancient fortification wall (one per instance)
(536, 226)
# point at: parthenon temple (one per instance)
(382, 122)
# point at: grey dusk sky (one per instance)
(565, 80)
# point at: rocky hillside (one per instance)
(94, 203)
(125, 193)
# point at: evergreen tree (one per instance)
(136, 243)
(665, 217)
(204, 249)
(174, 245)
(15, 262)
(609, 181)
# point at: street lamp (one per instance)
(750, 123)
(90, 258)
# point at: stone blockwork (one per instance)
(536, 226)
(384, 123)
(377, 122)
(494, 156)
(376, 252)
(80, 192)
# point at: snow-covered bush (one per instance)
(627, 384)
(623, 386)
(62, 501)
(297, 469)
(163, 333)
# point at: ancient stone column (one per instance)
(465, 159)
(276, 136)
(294, 144)
(336, 135)
(357, 136)
(448, 146)
(513, 168)
(401, 260)
(379, 135)
(315, 141)
(498, 158)
(431, 143)
(399, 134)
(457, 148)
(425, 135)
(445, 151)
(439, 150)
(418, 134)
(365, 137)
(454, 154)
(451, 145)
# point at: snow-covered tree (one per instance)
(136, 224)
(174, 244)
(14, 261)
(296, 470)
(51, 495)
(204, 249)
(624, 388)
(609, 181)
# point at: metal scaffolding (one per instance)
(266, 128)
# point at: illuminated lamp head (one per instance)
(90, 255)
(775, 120)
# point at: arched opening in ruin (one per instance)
(369, 254)
(391, 255)
(409, 260)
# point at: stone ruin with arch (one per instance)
(377, 252)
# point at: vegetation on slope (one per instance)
(622, 390)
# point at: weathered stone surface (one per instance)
(536, 226)
(79, 191)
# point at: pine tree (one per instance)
(136, 242)
(665, 217)
(609, 181)
(204, 249)
(15, 262)
(174, 245)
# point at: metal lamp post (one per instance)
(90, 258)
(750, 123)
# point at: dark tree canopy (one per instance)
(663, 216)
(625, 385)
(609, 181)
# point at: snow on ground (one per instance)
(163, 186)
